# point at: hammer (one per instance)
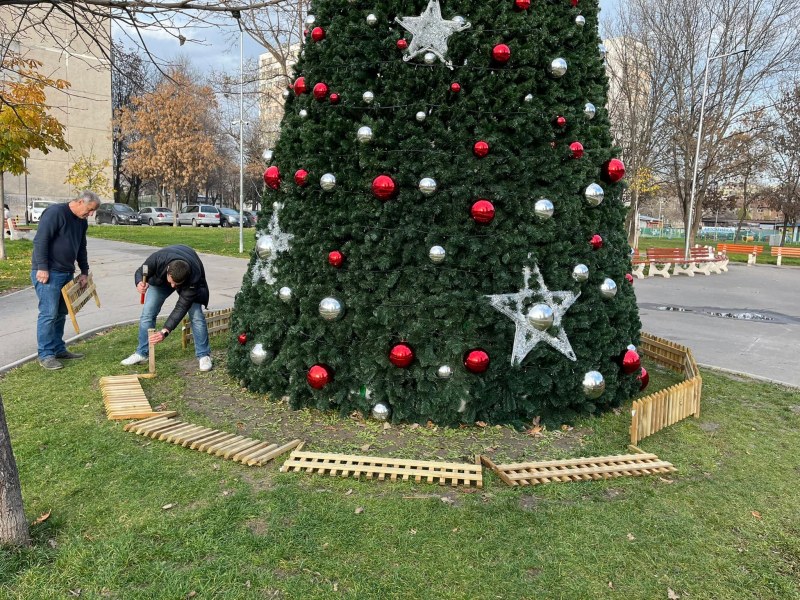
(144, 280)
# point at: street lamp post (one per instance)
(238, 16)
(689, 220)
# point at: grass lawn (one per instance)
(212, 240)
(136, 518)
(15, 272)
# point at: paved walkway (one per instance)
(112, 265)
(695, 311)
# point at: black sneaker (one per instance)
(51, 363)
(66, 354)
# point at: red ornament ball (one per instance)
(319, 376)
(631, 362)
(614, 170)
(300, 86)
(334, 98)
(574, 2)
(301, 177)
(455, 87)
(335, 258)
(482, 211)
(561, 121)
(383, 187)
(501, 53)
(629, 278)
(242, 338)
(320, 91)
(522, 4)
(401, 355)
(480, 149)
(644, 379)
(476, 361)
(402, 44)
(318, 34)
(596, 241)
(576, 149)
(272, 177)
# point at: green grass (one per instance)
(724, 526)
(15, 272)
(213, 240)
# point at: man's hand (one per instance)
(156, 337)
(42, 276)
(141, 287)
(82, 280)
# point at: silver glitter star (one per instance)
(280, 243)
(430, 32)
(527, 336)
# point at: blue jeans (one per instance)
(52, 314)
(153, 301)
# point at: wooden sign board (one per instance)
(76, 297)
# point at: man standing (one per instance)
(173, 268)
(59, 242)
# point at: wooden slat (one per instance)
(217, 321)
(76, 297)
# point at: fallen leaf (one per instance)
(52, 543)
(671, 595)
(167, 506)
(535, 431)
(631, 537)
(247, 584)
(348, 492)
(412, 531)
(480, 423)
(387, 426)
(226, 492)
(335, 587)
(447, 500)
(756, 514)
(191, 594)
(359, 510)
(41, 518)
(611, 585)
(76, 592)
(455, 530)
(665, 480)
(415, 426)
(239, 425)
(365, 447)
(566, 428)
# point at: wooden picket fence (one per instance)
(670, 405)
(217, 320)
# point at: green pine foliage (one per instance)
(391, 290)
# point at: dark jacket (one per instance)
(60, 241)
(194, 289)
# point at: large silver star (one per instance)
(430, 32)
(527, 336)
(280, 243)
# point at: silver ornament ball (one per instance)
(368, 97)
(529, 98)
(593, 384)
(459, 20)
(265, 247)
(540, 316)
(286, 94)
(437, 254)
(381, 411)
(364, 134)
(580, 272)
(589, 110)
(285, 294)
(602, 50)
(427, 185)
(543, 208)
(258, 354)
(420, 116)
(327, 182)
(310, 20)
(267, 155)
(444, 372)
(331, 309)
(303, 113)
(580, 20)
(631, 347)
(558, 67)
(594, 194)
(372, 20)
(429, 58)
(608, 289)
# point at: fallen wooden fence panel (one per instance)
(76, 297)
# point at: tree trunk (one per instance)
(13, 526)
(175, 206)
(3, 237)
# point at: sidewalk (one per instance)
(112, 265)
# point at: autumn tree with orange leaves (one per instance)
(170, 134)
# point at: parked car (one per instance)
(37, 208)
(116, 213)
(230, 218)
(252, 217)
(157, 215)
(200, 214)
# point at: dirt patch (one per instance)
(795, 409)
(709, 427)
(257, 527)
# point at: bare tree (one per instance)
(785, 167)
(680, 35)
(13, 526)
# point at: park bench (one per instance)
(751, 250)
(14, 232)
(662, 260)
(638, 263)
(701, 260)
(781, 251)
(705, 261)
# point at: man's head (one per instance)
(177, 273)
(85, 204)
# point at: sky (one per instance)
(217, 48)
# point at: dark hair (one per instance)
(179, 271)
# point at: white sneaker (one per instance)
(205, 363)
(134, 359)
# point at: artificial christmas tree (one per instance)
(445, 240)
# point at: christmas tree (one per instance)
(442, 234)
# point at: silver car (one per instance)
(157, 215)
(199, 214)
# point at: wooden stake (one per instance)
(152, 351)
